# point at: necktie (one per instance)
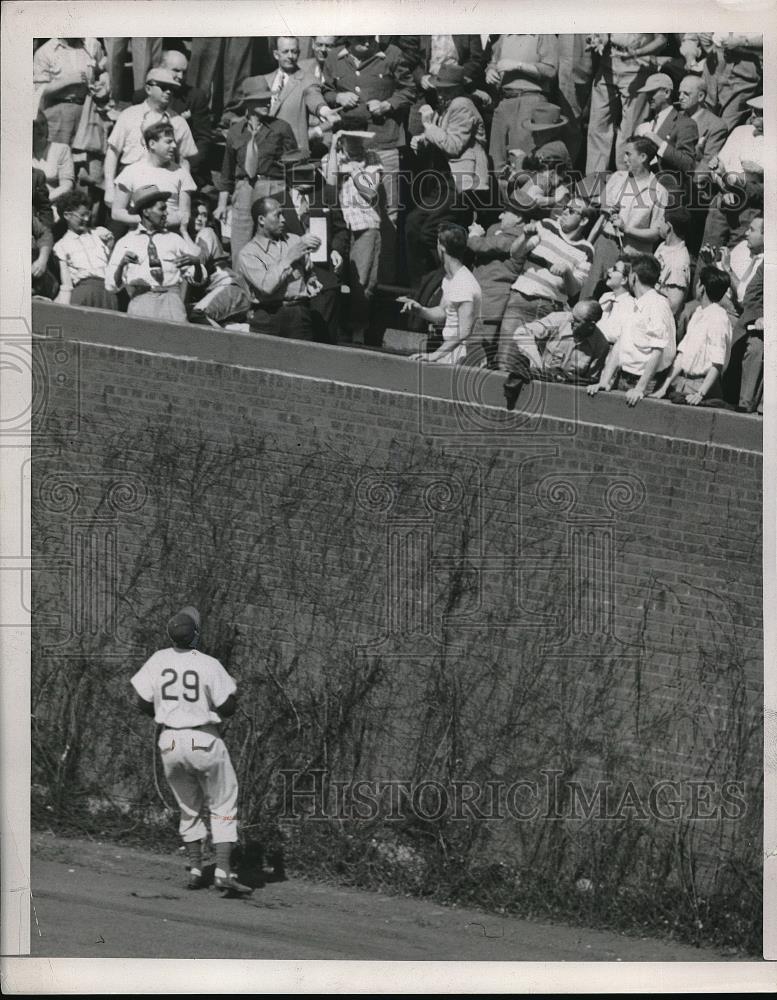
(154, 263)
(252, 157)
(277, 90)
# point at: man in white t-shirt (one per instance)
(459, 310)
(648, 344)
(157, 168)
(125, 143)
(188, 693)
(704, 350)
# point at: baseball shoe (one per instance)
(230, 888)
(195, 880)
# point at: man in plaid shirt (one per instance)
(358, 173)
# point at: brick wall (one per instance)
(407, 581)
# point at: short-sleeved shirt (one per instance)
(675, 267)
(126, 139)
(86, 254)
(185, 686)
(653, 327)
(462, 287)
(564, 358)
(707, 340)
(641, 202)
(617, 313)
(171, 178)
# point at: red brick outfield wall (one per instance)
(407, 581)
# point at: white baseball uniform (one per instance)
(186, 686)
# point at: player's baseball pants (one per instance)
(203, 781)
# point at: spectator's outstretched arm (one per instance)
(109, 172)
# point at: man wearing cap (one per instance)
(188, 694)
(280, 274)
(521, 71)
(191, 103)
(674, 133)
(125, 143)
(153, 264)
(252, 166)
(737, 176)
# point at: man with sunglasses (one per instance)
(125, 143)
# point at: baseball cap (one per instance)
(657, 81)
(184, 627)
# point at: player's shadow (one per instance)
(256, 866)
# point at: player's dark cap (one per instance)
(184, 628)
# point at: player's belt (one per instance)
(179, 729)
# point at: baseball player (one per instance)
(188, 693)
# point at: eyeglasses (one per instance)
(169, 87)
(79, 217)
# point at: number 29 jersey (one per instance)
(185, 686)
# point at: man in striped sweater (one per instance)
(555, 259)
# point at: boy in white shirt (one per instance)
(157, 168)
(358, 173)
(704, 350)
(672, 254)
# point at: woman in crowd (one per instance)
(204, 230)
(459, 309)
(83, 254)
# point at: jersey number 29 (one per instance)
(190, 681)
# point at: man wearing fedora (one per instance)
(450, 159)
(434, 52)
(522, 72)
(125, 143)
(295, 93)
(280, 275)
(674, 133)
(252, 167)
(153, 264)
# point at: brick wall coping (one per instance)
(392, 374)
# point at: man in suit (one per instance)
(712, 136)
(674, 134)
(296, 94)
(190, 103)
(321, 46)
(712, 130)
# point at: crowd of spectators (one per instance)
(580, 208)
